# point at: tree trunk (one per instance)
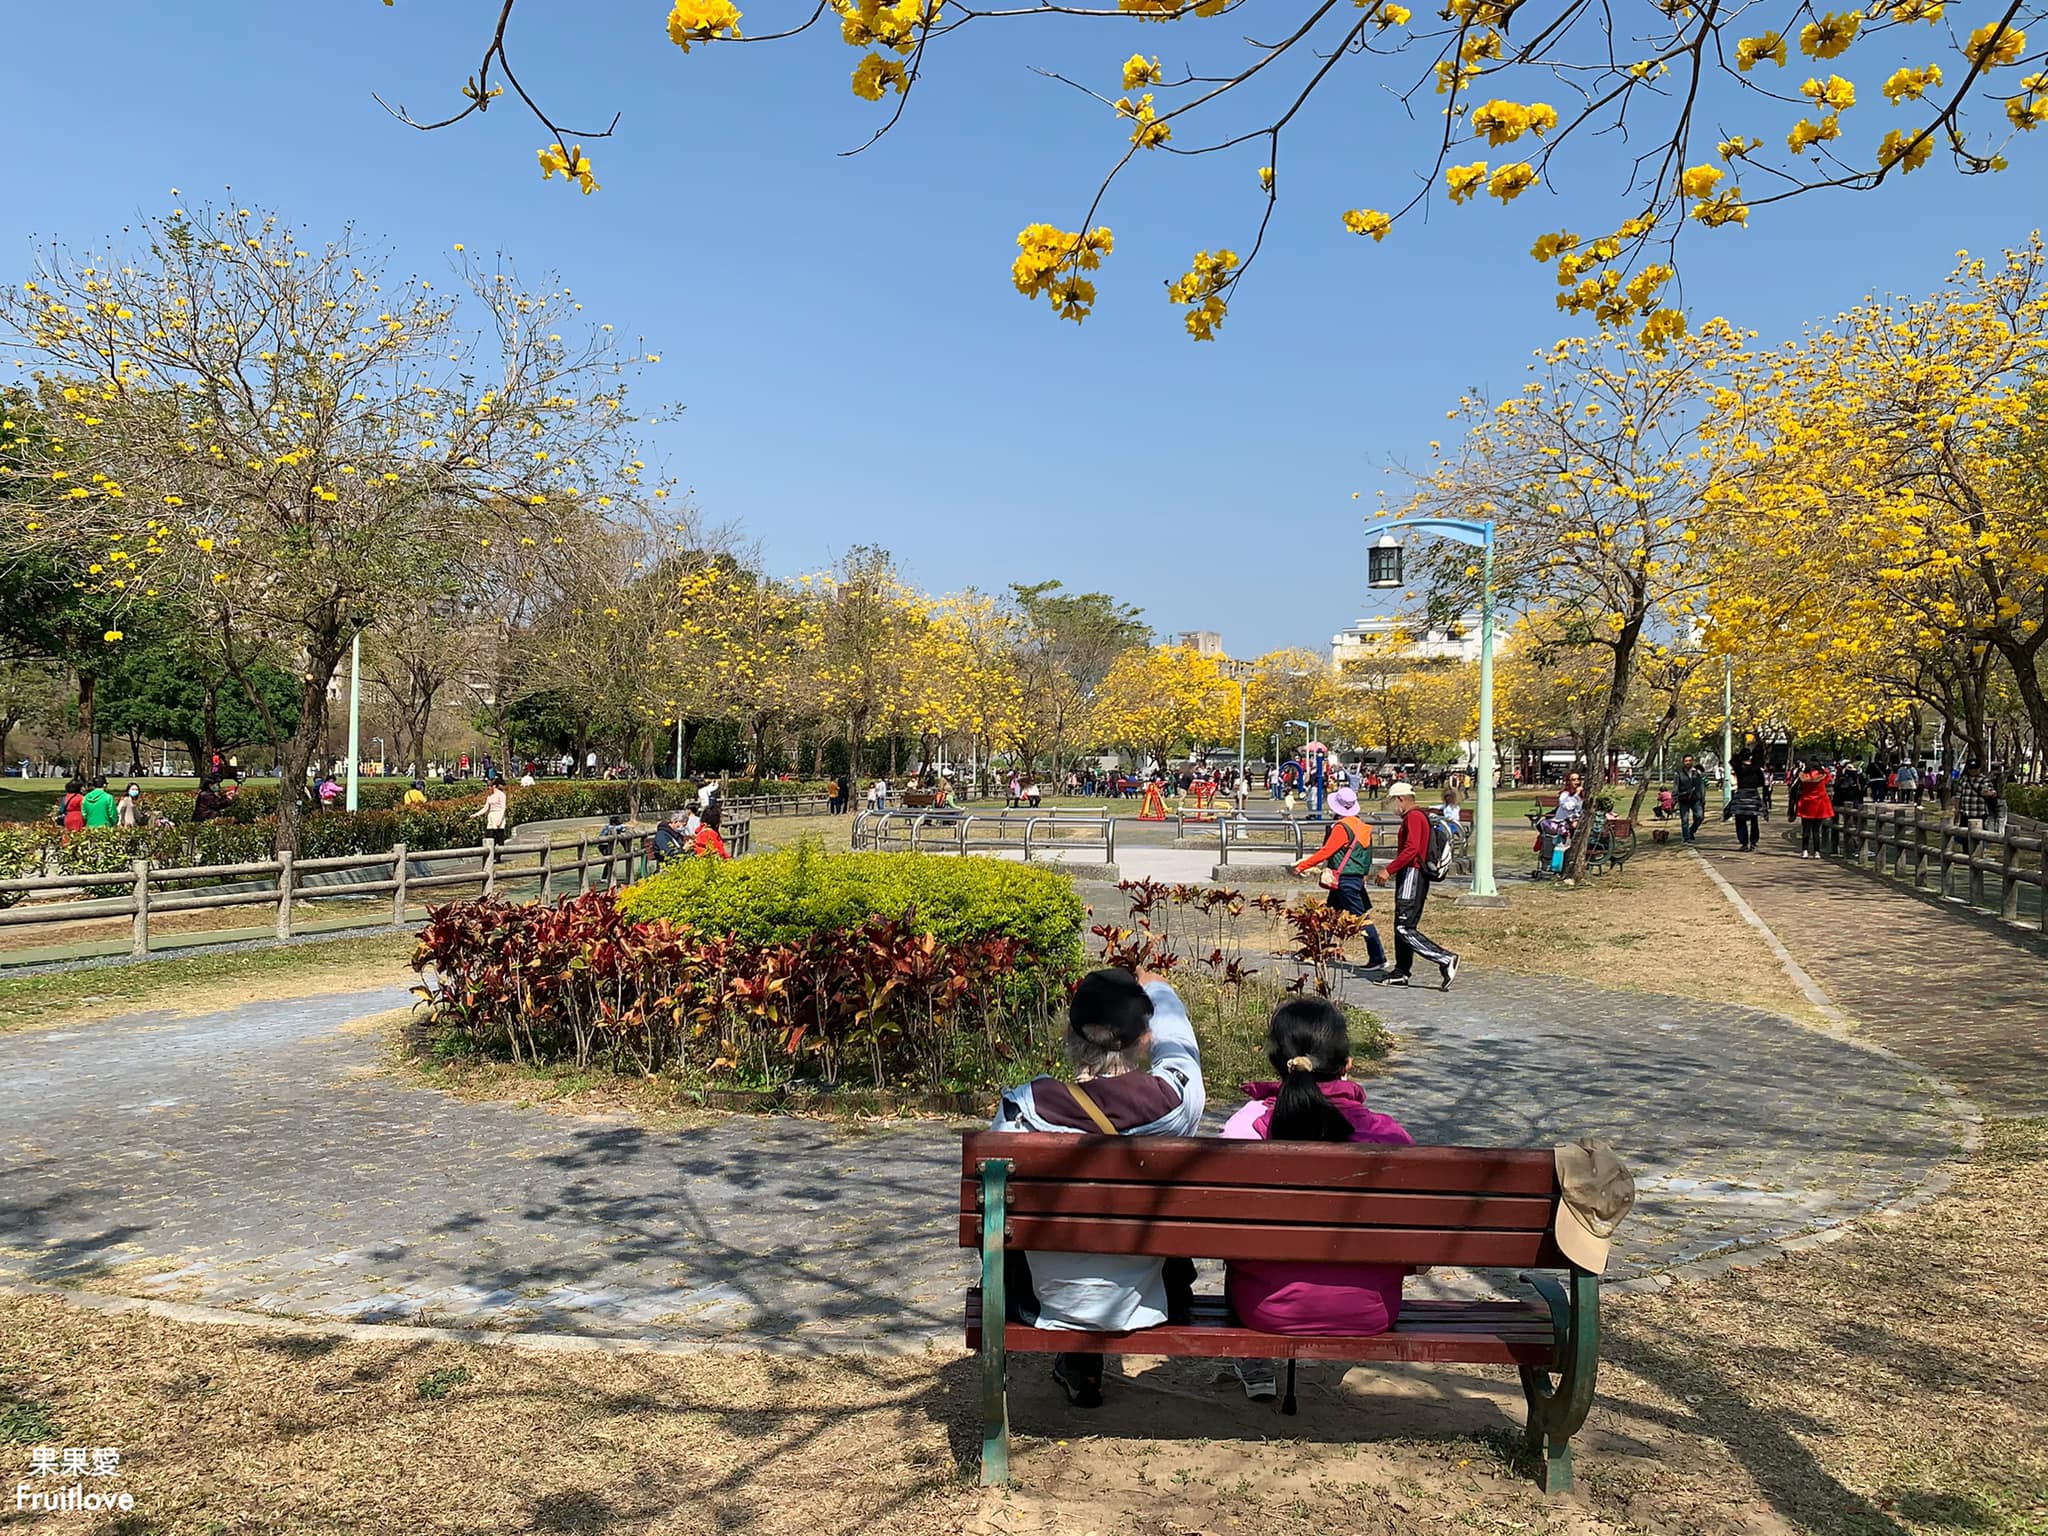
(690, 730)
(1595, 756)
(297, 753)
(1658, 742)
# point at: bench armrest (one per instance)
(1562, 1407)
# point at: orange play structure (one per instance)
(1154, 806)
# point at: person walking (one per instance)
(1908, 781)
(1747, 803)
(1689, 791)
(1410, 867)
(1810, 803)
(492, 813)
(1346, 857)
(1976, 798)
(71, 806)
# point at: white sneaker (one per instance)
(1261, 1382)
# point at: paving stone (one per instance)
(253, 1158)
(1954, 994)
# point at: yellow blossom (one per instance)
(1749, 51)
(1368, 221)
(698, 21)
(1138, 72)
(1511, 181)
(1830, 36)
(1911, 84)
(1992, 45)
(1464, 180)
(1700, 180)
(1832, 92)
(572, 163)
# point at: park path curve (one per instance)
(265, 1159)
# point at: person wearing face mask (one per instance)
(129, 812)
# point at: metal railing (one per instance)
(1297, 836)
(1963, 861)
(286, 884)
(945, 829)
(781, 805)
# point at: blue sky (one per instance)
(855, 364)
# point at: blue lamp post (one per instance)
(1383, 569)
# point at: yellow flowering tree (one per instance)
(1727, 111)
(1899, 501)
(1158, 699)
(1595, 476)
(299, 442)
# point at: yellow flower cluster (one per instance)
(1832, 92)
(1751, 50)
(1831, 36)
(699, 21)
(1511, 181)
(1368, 221)
(1389, 15)
(862, 22)
(1909, 153)
(2029, 110)
(1505, 121)
(573, 165)
(1169, 10)
(1806, 133)
(1464, 180)
(1201, 289)
(1050, 261)
(1137, 72)
(1726, 207)
(1700, 180)
(1911, 84)
(1995, 44)
(1149, 133)
(874, 75)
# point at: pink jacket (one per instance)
(1285, 1297)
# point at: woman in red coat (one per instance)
(1814, 809)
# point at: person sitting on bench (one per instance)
(1309, 1044)
(1138, 1072)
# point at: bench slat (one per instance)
(1477, 1333)
(1288, 1165)
(1334, 1208)
(1266, 1240)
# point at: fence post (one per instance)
(490, 868)
(583, 864)
(1972, 846)
(284, 894)
(547, 872)
(2008, 888)
(140, 945)
(400, 869)
(1919, 853)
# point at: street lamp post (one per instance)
(1727, 729)
(355, 715)
(1383, 571)
(1238, 672)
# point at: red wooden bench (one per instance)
(1205, 1198)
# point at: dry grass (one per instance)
(1887, 1385)
(1659, 925)
(205, 983)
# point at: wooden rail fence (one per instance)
(1994, 871)
(283, 885)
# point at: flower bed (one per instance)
(881, 1000)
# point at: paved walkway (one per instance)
(260, 1159)
(1940, 988)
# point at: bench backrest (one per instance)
(1200, 1197)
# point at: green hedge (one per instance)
(802, 890)
(2029, 800)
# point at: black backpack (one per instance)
(1443, 847)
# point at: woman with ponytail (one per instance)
(1309, 1044)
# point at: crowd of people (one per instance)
(1138, 1072)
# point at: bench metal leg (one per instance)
(1287, 1403)
(995, 1402)
(1558, 1409)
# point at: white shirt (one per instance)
(1569, 805)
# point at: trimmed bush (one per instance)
(802, 891)
(2029, 800)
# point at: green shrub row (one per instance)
(800, 891)
(2029, 800)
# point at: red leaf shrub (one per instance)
(878, 1002)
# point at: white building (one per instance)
(1369, 637)
(1203, 642)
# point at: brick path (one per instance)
(1939, 988)
(260, 1159)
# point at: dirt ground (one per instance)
(1886, 1385)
